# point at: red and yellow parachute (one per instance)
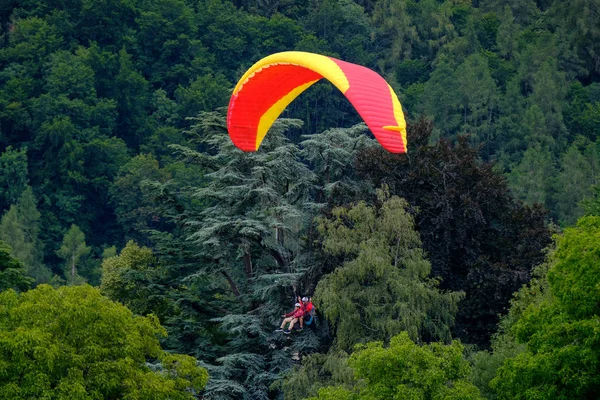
(272, 83)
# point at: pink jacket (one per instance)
(297, 313)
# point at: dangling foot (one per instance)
(286, 332)
(279, 330)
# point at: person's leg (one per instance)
(285, 321)
(292, 323)
(301, 322)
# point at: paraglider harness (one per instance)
(310, 314)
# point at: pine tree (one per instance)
(238, 241)
(478, 96)
(591, 204)
(72, 250)
(331, 155)
(533, 178)
(20, 228)
(13, 175)
(572, 185)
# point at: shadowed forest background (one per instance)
(470, 262)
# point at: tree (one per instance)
(20, 228)
(405, 370)
(439, 101)
(12, 273)
(478, 238)
(562, 347)
(332, 155)
(573, 183)
(74, 343)
(233, 258)
(580, 33)
(72, 249)
(531, 180)
(478, 96)
(13, 175)
(505, 345)
(132, 95)
(133, 207)
(591, 204)
(317, 371)
(395, 30)
(133, 278)
(253, 203)
(383, 288)
(524, 10)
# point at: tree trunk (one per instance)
(231, 283)
(248, 265)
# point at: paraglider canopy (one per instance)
(272, 83)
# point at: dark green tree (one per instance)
(478, 238)
(232, 257)
(580, 170)
(13, 274)
(532, 180)
(591, 204)
(13, 175)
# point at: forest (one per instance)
(144, 256)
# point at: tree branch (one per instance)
(232, 284)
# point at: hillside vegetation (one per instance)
(119, 184)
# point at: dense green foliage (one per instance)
(478, 238)
(560, 332)
(405, 370)
(384, 287)
(116, 170)
(12, 273)
(85, 88)
(73, 343)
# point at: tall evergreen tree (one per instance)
(532, 180)
(72, 250)
(240, 233)
(13, 175)
(20, 228)
(573, 184)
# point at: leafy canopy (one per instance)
(383, 288)
(73, 343)
(405, 370)
(12, 273)
(561, 361)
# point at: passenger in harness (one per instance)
(291, 318)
